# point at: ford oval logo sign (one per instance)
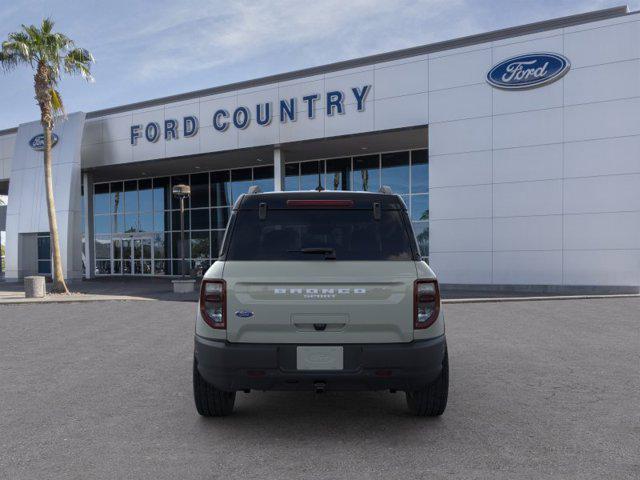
(37, 142)
(244, 314)
(528, 71)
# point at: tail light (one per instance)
(426, 303)
(213, 296)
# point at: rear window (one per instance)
(340, 234)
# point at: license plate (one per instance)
(320, 358)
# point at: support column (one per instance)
(87, 205)
(278, 170)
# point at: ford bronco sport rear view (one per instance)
(320, 291)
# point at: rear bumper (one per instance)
(241, 366)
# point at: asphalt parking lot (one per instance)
(546, 389)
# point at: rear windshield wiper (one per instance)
(329, 253)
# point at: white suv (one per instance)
(320, 291)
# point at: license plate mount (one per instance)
(320, 358)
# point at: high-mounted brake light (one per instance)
(213, 298)
(320, 203)
(426, 303)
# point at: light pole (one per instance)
(181, 192)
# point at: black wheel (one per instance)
(211, 402)
(431, 401)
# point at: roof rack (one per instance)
(386, 190)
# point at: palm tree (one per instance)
(48, 54)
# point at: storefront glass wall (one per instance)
(137, 222)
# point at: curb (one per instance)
(31, 301)
(537, 299)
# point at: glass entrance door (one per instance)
(132, 255)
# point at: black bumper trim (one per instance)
(254, 366)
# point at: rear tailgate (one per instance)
(319, 301)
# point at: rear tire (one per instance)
(432, 401)
(211, 402)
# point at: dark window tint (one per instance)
(263, 177)
(200, 190)
(352, 234)
(220, 189)
(291, 178)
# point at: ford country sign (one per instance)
(37, 142)
(528, 71)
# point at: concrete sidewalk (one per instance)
(102, 289)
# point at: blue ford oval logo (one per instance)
(528, 71)
(37, 142)
(244, 314)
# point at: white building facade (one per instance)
(516, 151)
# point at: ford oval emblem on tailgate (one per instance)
(244, 314)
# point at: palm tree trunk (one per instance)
(59, 285)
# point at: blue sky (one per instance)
(149, 49)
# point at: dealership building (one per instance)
(517, 153)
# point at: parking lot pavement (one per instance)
(546, 389)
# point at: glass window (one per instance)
(200, 245)
(178, 266)
(161, 267)
(220, 189)
(395, 171)
(311, 175)
(101, 198)
(116, 197)
(130, 223)
(161, 194)
(103, 267)
(219, 217)
(200, 266)
(420, 171)
(339, 174)
(263, 177)
(421, 229)
(145, 195)
(175, 245)
(146, 222)
(177, 180)
(102, 224)
(175, 220)
(216, 242)
(366, 173)
(131, 196)
(240, 182)
(200, 190)
(161, 221)
(44, 267)
(103, 247)
(44, 247)
(117, 246)
(199, 219)
(117, 268)
(291, 176)
(292, 234)
(117, 223)
(420, 207)
(160, 245)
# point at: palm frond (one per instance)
(78, 61)
(56, 101)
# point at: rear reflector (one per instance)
(320, 203)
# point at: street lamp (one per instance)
(181, 192)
